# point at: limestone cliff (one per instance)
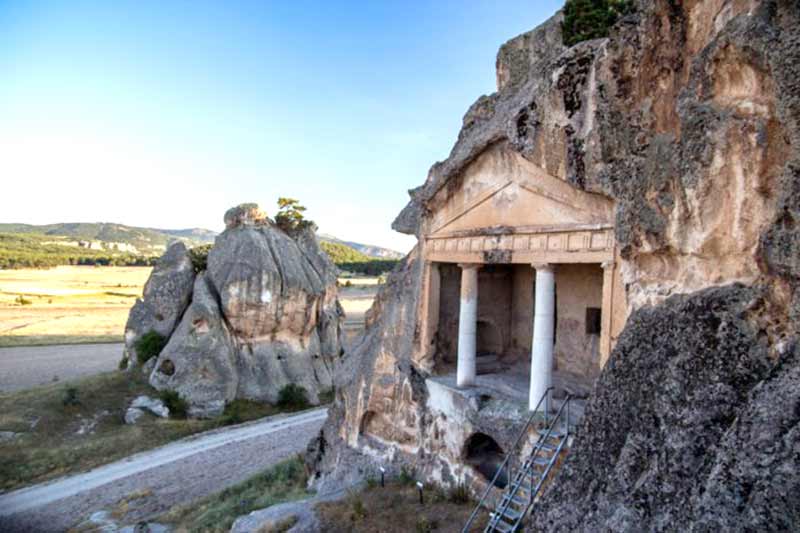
(263, 314)
(686, 116)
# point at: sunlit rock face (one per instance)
(263, 315)
(686, 117)
(166, 295)
(278, 297)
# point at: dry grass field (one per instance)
(67, 304)
(79, 304)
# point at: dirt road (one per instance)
(174, 474)
(28, 366)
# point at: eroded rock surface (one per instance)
(199, 361)
(264, 314)
(691, 423)
(166, 295)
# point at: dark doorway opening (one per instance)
(483, 454)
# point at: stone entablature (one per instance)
(579, 243)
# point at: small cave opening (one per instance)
(483, 454)
(167, 367)
(366, 422)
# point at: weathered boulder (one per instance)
(279, 300)
(166, 296)
(263, 315)
(153, 405)
(199, 361)
(145, 404)
(132, 415)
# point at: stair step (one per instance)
(505, 527)
(541, 461)
(511, 514)
(546, 446)
(526, 485)
(556, 434)
(514, 500)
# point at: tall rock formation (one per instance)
(264, 314)
(688, 117)
(165, 297)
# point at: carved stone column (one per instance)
(607, 312)
(467, 325)
(543, 331)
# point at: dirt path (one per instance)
(28, 366)
(174, 474)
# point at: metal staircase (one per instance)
(526, 474)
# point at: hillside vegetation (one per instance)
(351, 260)
(107, 244)
(38, 251)
(145, 241)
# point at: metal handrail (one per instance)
(541, 481)
(533, 454)
(522, 433)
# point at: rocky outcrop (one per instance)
(263, 315)
(166, 295)
(691, 423)
(199, 361)
(395, 401)
(687, 117)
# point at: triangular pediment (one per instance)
(524, 198)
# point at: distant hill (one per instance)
(112, 237)
(366, 249)
(28, 245)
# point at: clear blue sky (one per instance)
(164, 114)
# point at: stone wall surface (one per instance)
(264, 314)
(688, 117)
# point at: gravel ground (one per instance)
(174, 474)
(28, 366)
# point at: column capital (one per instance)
(607, 265)
(467, 266)
(543, 266)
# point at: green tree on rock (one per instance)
(591, 19)
(290, 216)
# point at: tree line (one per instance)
(32, 251)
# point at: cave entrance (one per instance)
(484, 455)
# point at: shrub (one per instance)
(236, 412)
(458, 494)
(21, 300)
(178, 408)
(327, 396)
(70, 397)
(359, 510)
(293, 396)
(199, 257)
(424, 525)
(148, 346)
(123, 363)
(406, 476)
(590, 19)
